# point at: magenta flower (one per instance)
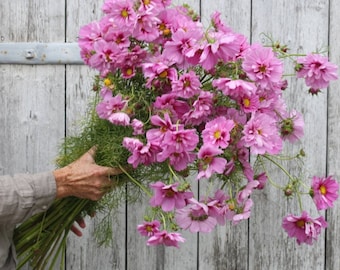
(261, 135)
(217, 132)
(261, 65)
(316, 70)
(168, 197)
(165, 238)
(145, 28)
(149, 228)
(240, 211)
(324, 192)
(208, 162)
(180, 161)
(195, 218)
(304, 228)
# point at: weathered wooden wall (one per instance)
(40, 104)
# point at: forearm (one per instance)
(24, 195)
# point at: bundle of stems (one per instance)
(41, 240)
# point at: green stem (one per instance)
(147, 192)
(280, 166)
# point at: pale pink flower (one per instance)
(110, 105)
(168, 196)
(324, 191)
(145, 28)
(208, 162)
(316, 70)
(262, 179)
(261, 135)
(202, 108)
(262, 66)
(138, 127)
(121, 12)
(234, 88)
(165, 238)
(304, 228)
(195, 218)
(219, 46)
(141, 154)
(217, 132)
(149, 228)
(119, 118)
(182, 47)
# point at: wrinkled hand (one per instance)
(81, 224)
(84, 179)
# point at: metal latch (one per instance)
(40, 53)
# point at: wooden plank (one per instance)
(333, 146)
(84, 252)
(227, 246)
(303, 27)
(32, 97)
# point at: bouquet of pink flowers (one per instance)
(184, 103)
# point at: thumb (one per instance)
(90, 154)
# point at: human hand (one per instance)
(81, 224)
(84, 179)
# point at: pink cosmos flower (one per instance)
(316, 70)
(325, 192)
(208, 162)
(182, 46)
(304, 228)
(202, 108)
(180, 161)
(292, 127)
(234, 88)
(172, 105)
(168, 196)
(195, 218)
(158, 71)
(138, 127)
(165, 238)
(241, 212)
(187, 85)
(262, 179)
(156, 135)
(219, 46)
(217, 132)
(261, 65)
(149, 228)
(261, 135)
(217, 207)
(111, 105)
(145, 28)
(178, 141)
(141, 154)
(121, 12)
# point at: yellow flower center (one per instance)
(166, 32)
(107, 82)
(246, 102)
(263, 69)
(163, 74)
(146, 2)
(129, 71)
(300, 223)
(124, 13)
(217, 134)
(323, 190)
(148, 228)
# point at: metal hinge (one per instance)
(40, 53)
